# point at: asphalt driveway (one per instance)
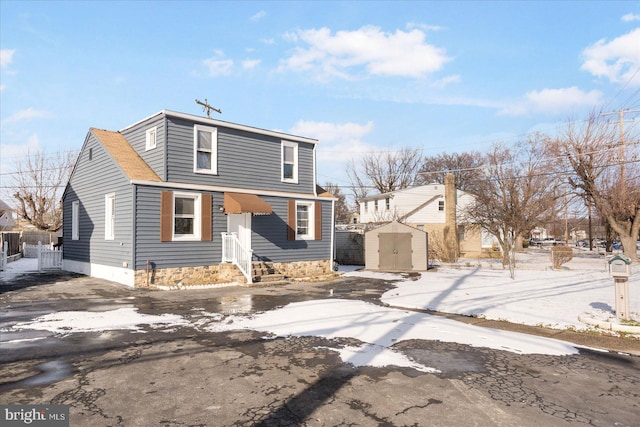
(192, 376)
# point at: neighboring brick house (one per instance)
(178, 199)
(429, 208)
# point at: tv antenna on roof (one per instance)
(206, 107)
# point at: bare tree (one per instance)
(37, 187)
(342, 210)
(603, 170)
(383, 172)
(465, 166)
(518, 191)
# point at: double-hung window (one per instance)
(186, 216)
(151, 135)
(441, 205)
(110, 216)
(289, 154)
(304, 220)
(205, 149)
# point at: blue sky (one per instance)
(359, 76)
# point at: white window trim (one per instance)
(197, 217)
(214, 150)
(151, 143)
(293, 145)
(312, 216)
(75, 220)
(109, 216)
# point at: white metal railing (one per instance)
(233, 251)
(49, 258)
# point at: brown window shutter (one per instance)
(291, 220)
(166, 216)
(205, 229)
(317, 211)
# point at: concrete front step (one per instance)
(263, 272)
(268, 278)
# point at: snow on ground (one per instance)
(537, 296)
(67, 322)
(16, 268)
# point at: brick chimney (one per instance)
(450, 201)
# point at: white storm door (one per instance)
(240, 224)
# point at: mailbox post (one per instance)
(619, 269)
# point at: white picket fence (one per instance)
(49, 258)
(3, 256)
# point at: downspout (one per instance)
(134, 233)
(333, 234)
(315, 180)
(165, 149)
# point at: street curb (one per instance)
(609, 326)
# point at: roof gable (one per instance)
(125, 156)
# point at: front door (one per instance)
(240, 224)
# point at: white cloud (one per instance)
(446, 81)
(29, 113)
(2, 87)
(554, 101)
(338, 141)
(617, 60)
(426, 27)
(368, 49)
(249, 64)
(258, 16)
(6, 57)
(217, 65)
(630, 17)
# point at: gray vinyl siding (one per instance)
(136, 136)
(173, 254)
(245, 160)
(90, 182)
(269, 238)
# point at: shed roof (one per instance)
(125, 156)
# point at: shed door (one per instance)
(395, 251)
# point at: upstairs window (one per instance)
(441, 205)
(387, 203)
(151, 138)
(110, 216)
(289, 161)
(375, 205)
(205, 149)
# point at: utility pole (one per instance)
(623, 156)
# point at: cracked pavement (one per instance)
(193, 377)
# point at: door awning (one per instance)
(235, 203)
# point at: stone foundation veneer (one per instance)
(223, 273)
(303, 269)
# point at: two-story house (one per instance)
(177, 199)
(425, 208)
